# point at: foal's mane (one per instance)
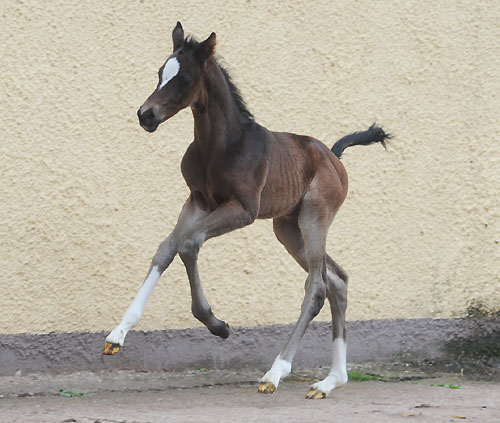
(191, 43)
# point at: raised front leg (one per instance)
(226, 218)
(190, 215)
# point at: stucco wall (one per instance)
(87, 195)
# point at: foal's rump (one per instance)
(331, 177)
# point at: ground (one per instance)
(230, 396)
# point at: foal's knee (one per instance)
(188, 249)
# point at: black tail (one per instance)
(372, 135)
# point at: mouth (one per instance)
(150, 127)
(150, 121)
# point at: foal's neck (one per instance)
(218, 122)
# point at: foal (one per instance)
(238, 171)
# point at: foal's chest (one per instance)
(199, 176)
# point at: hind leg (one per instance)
(308, 237)
(336, 289)
(288, 233)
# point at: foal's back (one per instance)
(297, 164)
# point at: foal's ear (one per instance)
(206, 49)
(178, 36)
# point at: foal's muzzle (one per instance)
(148, 120)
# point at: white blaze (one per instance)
(170, 70)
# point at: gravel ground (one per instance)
(218, 396)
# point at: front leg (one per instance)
(115, 340)
(190, 215)
(228, 217)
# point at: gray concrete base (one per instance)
(253, 347)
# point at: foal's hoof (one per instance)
(110, 348)
(266, 388)
(315, 394)
(221, 330)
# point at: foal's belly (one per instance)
(282, 194)
(274, 204)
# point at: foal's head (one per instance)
(178, 80)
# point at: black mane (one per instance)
(235, 92)
(190, 43)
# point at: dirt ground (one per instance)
(218, 396)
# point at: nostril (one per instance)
(146, 116)
(148, 119)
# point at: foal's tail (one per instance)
(372, 135)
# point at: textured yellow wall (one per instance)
(87, 195)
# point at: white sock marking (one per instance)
(170, 70)
(279, 369)
(338, 373)
(134, 312)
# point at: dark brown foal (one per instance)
(238, 171)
